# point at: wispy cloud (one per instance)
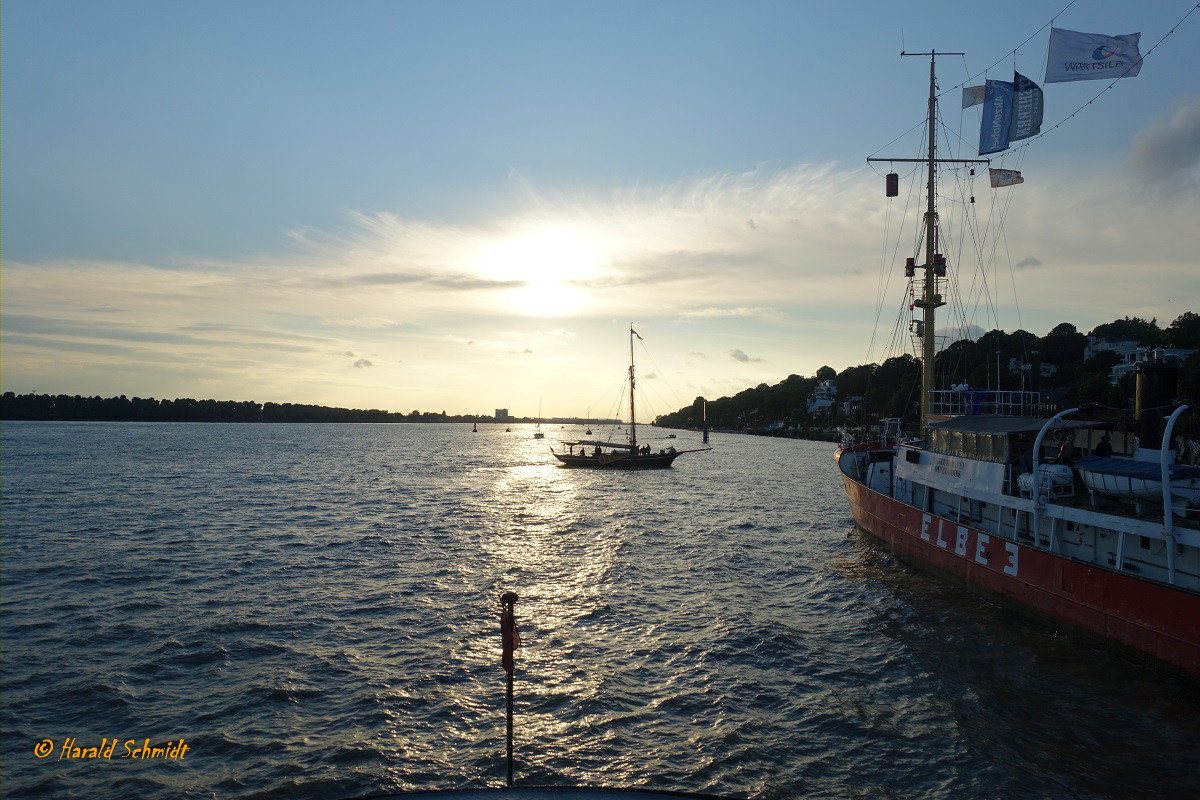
(1168, 152)
(449, 307)
(712, 312)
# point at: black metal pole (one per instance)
(510, 639)
(510, 729)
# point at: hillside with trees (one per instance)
(892, 389)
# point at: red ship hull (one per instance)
(1155, 619)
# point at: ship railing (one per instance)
(965, 401)
(887, 434)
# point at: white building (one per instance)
(823, 397)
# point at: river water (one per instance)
(313, 611)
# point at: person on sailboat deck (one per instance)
(1104, 449)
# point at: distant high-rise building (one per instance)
(502, 415)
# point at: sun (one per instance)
(549, 266)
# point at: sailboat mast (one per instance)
(632, 415)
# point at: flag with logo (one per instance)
(1011, 111)
(994, 131)
(1027, 108)
(1004, 177)
(1075, 56)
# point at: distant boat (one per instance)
(619, 455)
(537, 434)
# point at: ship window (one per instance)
(969, 444)
(1145, 542)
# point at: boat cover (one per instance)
(1135, 468)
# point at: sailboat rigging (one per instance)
(620, 455)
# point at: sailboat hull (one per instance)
(617, 461)
(1157, 620)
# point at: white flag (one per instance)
(1004, 177)
(1075, 56)
(973, 95)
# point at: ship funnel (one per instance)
(1157, 382)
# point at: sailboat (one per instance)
(620, 455)
(537, 433)
(972, 497)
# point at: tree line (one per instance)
(138, 409)
(892, 389)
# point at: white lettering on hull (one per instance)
(933, 530)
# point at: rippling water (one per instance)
(313, 609)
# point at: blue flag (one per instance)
(995, 131)
(1011, 111)
(1027, 108)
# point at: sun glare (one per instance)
(547, 264)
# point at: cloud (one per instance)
(741, 311)
(738, 355)
(788, 290)
(362, 363)
(1167, 154)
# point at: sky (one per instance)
(443, 205)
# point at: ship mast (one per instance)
(935, 262)
(930, 299)
(632, 416)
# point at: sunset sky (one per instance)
(463, 206)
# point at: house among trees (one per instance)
(823, 398)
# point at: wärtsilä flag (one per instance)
(972, 95)
(1004, 177)
(1075, 56)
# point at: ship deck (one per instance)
(1145, 511)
